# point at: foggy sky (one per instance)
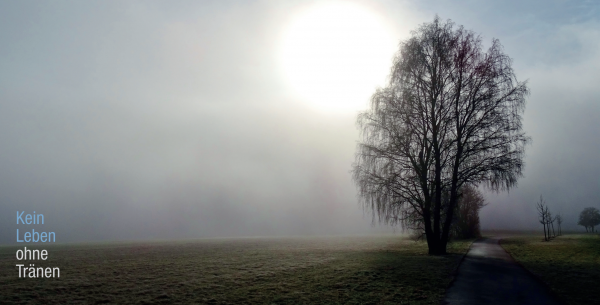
(144, 120)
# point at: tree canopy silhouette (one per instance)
(466, 220)
(589, 218)
(449, 116)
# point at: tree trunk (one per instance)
(453, 193)
(438, 197)
(435, 246)
(433, 241)
(448, 221)
(545, 239)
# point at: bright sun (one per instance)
(334, 55)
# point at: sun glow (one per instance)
(334, 55)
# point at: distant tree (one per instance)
(551, 221)
(589, 218)
(449, 117)
(542, 209)
(559, 224)
(466, 222)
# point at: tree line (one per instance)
(546, 219)
(589, 218)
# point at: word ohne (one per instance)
(32, 254)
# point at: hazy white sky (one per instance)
(154, 119)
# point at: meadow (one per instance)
(568, 264)
(325, 270)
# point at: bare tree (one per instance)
(466, 219)
(465, 223)
(450, 116)
(551, 223)
(559, 224)
(542, 209)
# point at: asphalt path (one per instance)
(489, 275)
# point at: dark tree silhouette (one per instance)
(559, 224)
(542, 209)
(465, 223)
(551, 223)
(450, 116)
(589, 218)
(466, 219)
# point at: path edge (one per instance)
(454, 272)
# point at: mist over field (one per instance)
(144, 120)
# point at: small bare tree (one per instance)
(551, 222)
(559, 224)
(543, 215)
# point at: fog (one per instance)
(149, 120)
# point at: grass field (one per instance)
(569, 264)
(343, 270)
